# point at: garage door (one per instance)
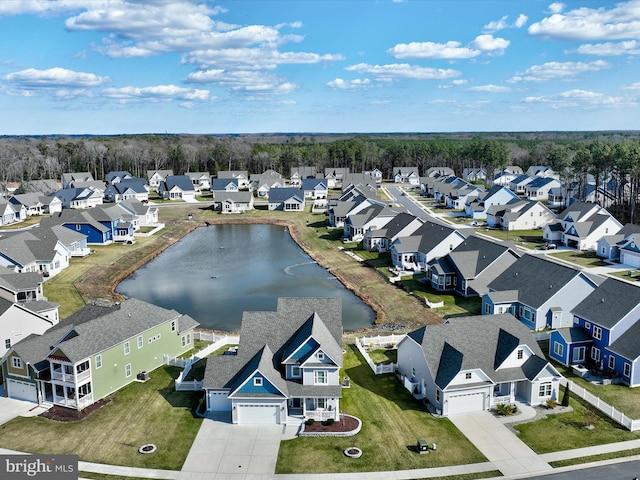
(22, 390)
(631, 260)
(259, 414)
(465, 403)
(219, 402)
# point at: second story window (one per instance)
(320, 377)
(597, 332)
(127, 348)
(520, 354)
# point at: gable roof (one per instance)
(475, 254)
(277, 195)
(609, 303)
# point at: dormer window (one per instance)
(520, 354)
(257, 382)
(467, 376)
(320, 355)
(295, 371)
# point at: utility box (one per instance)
(422, 446)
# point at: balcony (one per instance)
(69, 377)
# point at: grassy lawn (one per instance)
(595, 458)
(633, 275)
(392, 423)
(585, 259)
(569, 430)
(150, 412)
(524, 238)
(384, 355)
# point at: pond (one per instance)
(217, 272)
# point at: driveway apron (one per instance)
(241, 451)
(500, 445)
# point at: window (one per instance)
(597, 332)
(127, 348)
(320, 376)
(587, 325)
(558, 349)
(16, 362)
(612, 362)
(627, 369)
(257, 382)
(173, 325)
(321, 403)
(127, 370)
(7, 343)
(320, 356)
(487, 308)
(467, 376)
(413, 371)
(84, 390)
(545, 389)
(595, 354)
(98, 361)
(520, 354)
(140, 341)
(578, 354)
(295, 371)
(438, 395)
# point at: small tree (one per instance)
(565, 397)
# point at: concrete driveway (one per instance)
(500, 445)
(232, 451)
(10, 409)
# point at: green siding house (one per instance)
(95, 352)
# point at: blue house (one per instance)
(604, 333)
(101, 225)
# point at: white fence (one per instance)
(388, 342)
(185, 363)
(604, 407)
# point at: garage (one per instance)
(259, 414)
(22, 390)
(631, 259)
(219, 402)
(465, 403)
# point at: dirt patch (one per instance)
(63, 414)
(345, 424)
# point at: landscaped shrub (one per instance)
(551, 403)
(328, 421)
(506, 409)
(309, 421)
(565, 397)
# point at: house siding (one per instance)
(410, 358)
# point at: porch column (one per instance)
(512, 392)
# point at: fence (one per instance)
(604, 407)
(387, 341)
(186, 363)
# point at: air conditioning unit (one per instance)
(143, 376)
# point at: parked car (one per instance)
(548, 246)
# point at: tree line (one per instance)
(611, 159)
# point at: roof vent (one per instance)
(550, 286)
(602, 300)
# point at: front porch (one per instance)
(318, 409)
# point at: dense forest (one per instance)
(608, 158)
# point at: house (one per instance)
(79, 198)
(94, 353)
(101, 225)
(403, 224)
(539, 292)
(609, 245)
(370, 218)
(201, 180)
(139, 214)
(439, 171)
(474, 174)
(27, 252)
(408, 175)
(376, 174)
(68, 179)
(233, 202)
(127, 189)
(26, 289)
(115, 177)
(541, 171)
(361, 180)
(518, 184)
(18, 322)
(32, 202)
(520, 215)
(471, 266)
(460, 194)
(177, 187)
(605, 332)
(74, 241)
(538, 189)
(287, 199)
(333, 176)
(299, 173)
(477, 207)
(471, 364)
(287, 365)
(581, 225)
(430, 241)
(224, 185)
(156, 177)
(10, 212)
(263, 182)
(240, 176)
(46, 186)
(315, 188)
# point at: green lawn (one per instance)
(570, 430)
(525, 238)
(392, 423)
(150, 412)
(584, 259)
(384, 355)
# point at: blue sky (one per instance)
(155, 66)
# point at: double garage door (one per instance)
(466, 402)
(22, 390)
(268, 414)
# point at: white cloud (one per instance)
(577, 99)
(47, 7)
(243, 81)
(254, 58)
(55, 77)
(558, 71)
(490, 88)
(357, 84)
(556, 7)
(633, 86)
(521, 21)
(503, 24)
(628, 47)
(619, 22)
(451, 50)
(155, 93)
(395, 71)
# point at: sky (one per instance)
(323, 66)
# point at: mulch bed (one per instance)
(345, 424)
(63, 414)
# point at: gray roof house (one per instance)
(539, 292)
(370, 218)
(403, 224)
(68, 179)
(177, 187)
(27, 252)
(155, 177)
(471, 364)
(609, 245)
(287, 365)
(287, 199)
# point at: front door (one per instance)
(579, 354)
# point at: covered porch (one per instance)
(318, 409)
